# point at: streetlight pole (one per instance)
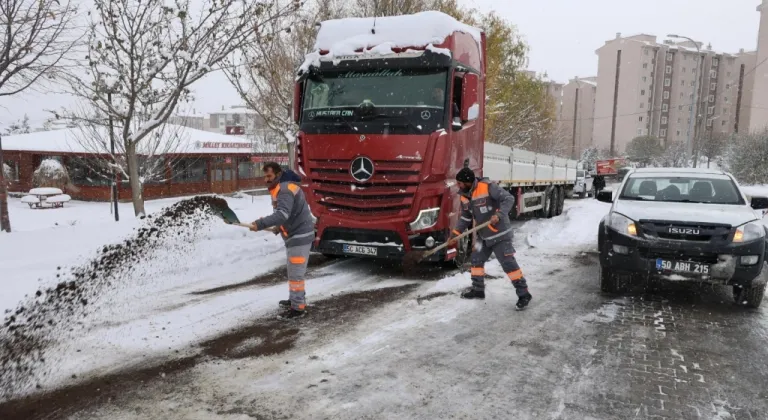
(694, 105)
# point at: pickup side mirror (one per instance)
(759, 203)
(470, 107)
(605, 196)
(297, 101)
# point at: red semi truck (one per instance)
(389, 109)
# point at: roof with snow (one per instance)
(179, 140)
(346, 36)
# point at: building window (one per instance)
(663, 132)
(645, 65)
(683, 69)
(680, 108)
(709, 122)
(668, 70)
(693, 70)
(663, 120)
(713, 86)
(682, 83)
(640, 119)
(713, 74)
(645, 50)
(667, 82)
(682, 95)
(711, 98)
(711, 110)
(727, 86)
(645, 79)
(666, 94)
(642, 104)
(715, 62)
(725, 99)
(729, 74)
(679, 120)
(693, 83)
(639, 131)
(725, 110)
(722, 123)
(642, 92)
(190, 170)
(678, 133)
(669, 56)
(88, 171)
(664, 108)
(248, 170)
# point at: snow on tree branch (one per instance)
(36, 39)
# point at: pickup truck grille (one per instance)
(694, 232)
(390, 191)
(678, 255)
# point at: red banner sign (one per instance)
(609, 166)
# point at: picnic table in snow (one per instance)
(45, 197)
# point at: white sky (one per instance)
(562, 34)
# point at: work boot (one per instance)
(473, 294)
(523, 301)
(291, 314)
(284, 304)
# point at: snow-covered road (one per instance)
(199, 341)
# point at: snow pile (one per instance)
(347, 36)
(56, 312)
(575, 228)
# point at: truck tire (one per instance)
(751, 297)
(560, 201)
(542, 213)
(551, 203)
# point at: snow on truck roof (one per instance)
(346, 36)
(72, 140)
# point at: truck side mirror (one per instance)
(297, 102)
(605, 196)
(470, 107)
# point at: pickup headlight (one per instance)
(622, 224)
(426, 219)
(749, 232)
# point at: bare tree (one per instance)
(712, 146)
(143, 56)
(36, 37)
(673, 156)
(19, 127)
(264, 71)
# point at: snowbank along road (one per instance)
(193, 336)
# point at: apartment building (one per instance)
(651, 87)
(553, 89)
(237, 120)
(759, 101)
(576, 119)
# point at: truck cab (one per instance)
(388, 112)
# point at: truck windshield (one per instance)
(713, 189)
(382, 87)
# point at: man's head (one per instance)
(465, 179)
(272, 171)
(438, 95)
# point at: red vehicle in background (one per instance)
(609, 166)
(388, 111)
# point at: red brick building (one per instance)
(201, 162)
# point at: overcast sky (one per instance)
(562, 34)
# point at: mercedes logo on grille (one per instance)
(425, 115)
(361, 169)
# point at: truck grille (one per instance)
(390, 191)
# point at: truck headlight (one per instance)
(749, 232)
(622, 224)
(426, 219)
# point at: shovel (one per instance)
(415, 257)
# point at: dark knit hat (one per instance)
(465, 175)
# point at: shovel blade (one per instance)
(227, 215)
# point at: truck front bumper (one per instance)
(622, 253)
(380, 244)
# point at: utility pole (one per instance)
(115, 189)
(575, 119)
(615, 104)
(5, 220)
(695, 104)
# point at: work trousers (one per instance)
(298, 257)
(505, 253)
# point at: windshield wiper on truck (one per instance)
(405, 121)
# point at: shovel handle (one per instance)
(466, 233)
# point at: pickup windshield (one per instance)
(713, 189)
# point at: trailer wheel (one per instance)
(544, 210)
(561, 200)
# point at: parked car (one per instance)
(684, 225)
(583, 185)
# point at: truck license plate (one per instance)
(682, 266)
(360, 250)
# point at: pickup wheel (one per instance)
(751, 297)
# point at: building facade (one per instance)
(653, 93)
(759, 101)
(577, 115)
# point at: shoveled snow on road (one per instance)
(576, 229)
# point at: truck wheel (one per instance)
(560, 200)
(552, 203)
(751, 297)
